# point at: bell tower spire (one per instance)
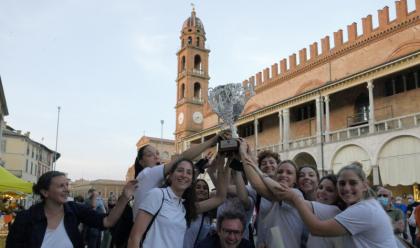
(192, 80)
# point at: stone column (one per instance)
(256, 133)
(202, 141)
(280, 130)
(375, 174)
(318, 102)
(286, 128)
(2, 125)
(327, 118)
(371, 107)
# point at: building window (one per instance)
(32, 167)
(197, 62)
(304, 112)
(248, 129)
(27, 150)
(3, 146)
(401, 82)
(183, 63)
(27, 165)
(197, 90)
(198, 41)
(182, 95)
(189, 40)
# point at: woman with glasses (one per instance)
(202, 225)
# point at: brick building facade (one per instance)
(354, 98)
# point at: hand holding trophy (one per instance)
(228, 102)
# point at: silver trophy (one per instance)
(228, 102)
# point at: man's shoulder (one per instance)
(245, 244)
(211, 241)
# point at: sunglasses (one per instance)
(382, 195)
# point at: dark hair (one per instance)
(267, 153)
(231, 214)
(308, 166)
(333, 178)
(307, 197)
(137, 166)
(79, 199)
(202, 180)
(189, 193)
(44, 182)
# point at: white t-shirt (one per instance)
(265, 206)
(368, 225)
(192, 232)
(284, 218)
(57, 237)
(324, 212)
(168, 228)
(147, 179)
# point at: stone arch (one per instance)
(182, 91)
(348, 154)
(404, 48)
(398, 161)
(197, 90)
(197, 62)
(303, 158)
(183, 63)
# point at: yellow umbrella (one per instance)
(11, 184)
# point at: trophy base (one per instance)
(229, 145)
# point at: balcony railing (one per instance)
(197, 100)
(274, 148)
(303, 142)
(397, 123)
(195, 72)
(198, 72)
(348, 133)
(401, 122)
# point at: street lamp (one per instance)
(161, 132)
(56, 139)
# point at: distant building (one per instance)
(24, 157)
(354, 96)
(165, 147)
(104, 187)
(3, 112)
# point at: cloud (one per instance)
(151, 52)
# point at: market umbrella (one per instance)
(11, 183)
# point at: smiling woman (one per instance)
(166, 212)
(54, 222)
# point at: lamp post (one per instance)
(161, 132)
(56, 139)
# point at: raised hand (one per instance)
(284, 192)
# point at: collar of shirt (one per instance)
(173, 196)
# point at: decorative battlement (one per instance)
(291, 66)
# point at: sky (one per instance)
(111, 65)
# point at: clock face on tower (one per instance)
(198, 117)
(180, 118)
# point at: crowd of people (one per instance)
(263, 202)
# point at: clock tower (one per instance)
(192, 80)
